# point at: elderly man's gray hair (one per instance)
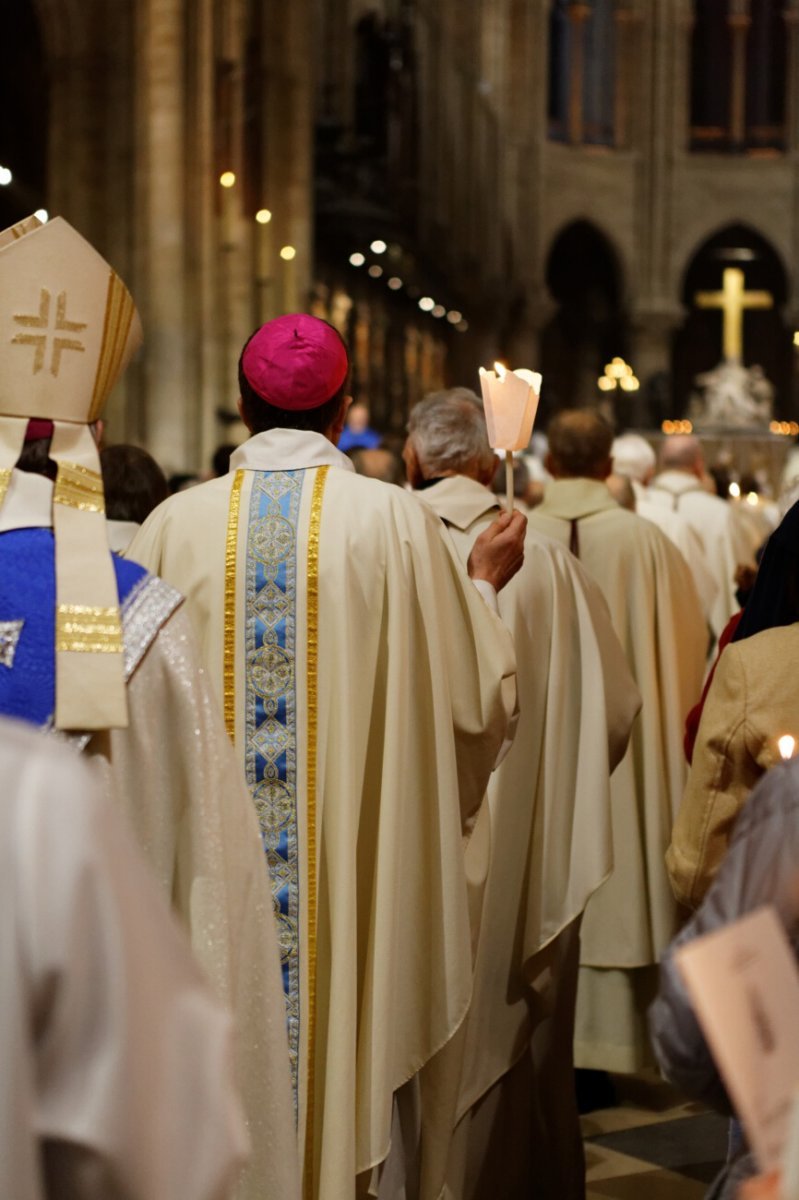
(448, 431)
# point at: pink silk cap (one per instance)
(295, 362)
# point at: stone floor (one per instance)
(651, 1146)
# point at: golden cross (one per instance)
(39, 340)
(733, 299)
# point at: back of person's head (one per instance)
(774, 600)
(621, 489)
(133, 482)
(580, 442)
(448, 433)
(378, 463)
(293, 374)
(220, 459)
(682, 452)
(633, 457)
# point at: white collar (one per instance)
(28, 503)
(287, 450)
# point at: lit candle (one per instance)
(511, 402)
(786, 746)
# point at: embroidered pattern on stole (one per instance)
(270, 716)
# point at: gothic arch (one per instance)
(582, 72)
(738, 76)
(589, 327)
(767, 341)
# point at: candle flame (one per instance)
(500, 370)
(787, 746)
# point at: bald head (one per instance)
(682, 453)
(579, 445)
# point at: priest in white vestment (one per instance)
(549, 830)
(678, 487)
(95, 648)
(117, 1061)
(635, 458)
(368, 687)
(658, 618)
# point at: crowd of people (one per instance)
(408, 769)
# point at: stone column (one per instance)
(578, 15)
(170, 425)
(626, 22)
(791, 15)
(739, 22)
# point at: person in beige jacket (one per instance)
(753, 702)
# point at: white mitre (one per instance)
(68, 328)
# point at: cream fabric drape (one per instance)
(416, 686)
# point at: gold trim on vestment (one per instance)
(85, 629)
(312, 658)
(119, 310)
(5, 480)
(229, 654)
(79, 487)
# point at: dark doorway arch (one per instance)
(589, 327)
(767, 341)
(24, 112)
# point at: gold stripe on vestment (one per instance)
(229, 650)
(85, 629)
(5, 480)
(79, 487)
(312, 703)
(119, 310)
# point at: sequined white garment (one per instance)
(117, 1061)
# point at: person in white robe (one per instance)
(117, 1061)
(368, 689)
(658, 618)
(549, 829)
(95, 649)
(678, 487)
(634, 457)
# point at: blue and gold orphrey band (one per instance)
(270, 715)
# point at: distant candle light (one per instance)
(227, 179)
(378, 246)
(395, 283)
(287, 253)
(5, 176)
(427, 304)
(439, 311)
(375, 271)
(454, 317)
(734, 490)
(263, 216)
(787, 746)
(357, 259)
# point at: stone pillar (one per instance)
(170, 424)
(578, 15)
(791, 15)
(739, 22)
(626, 62)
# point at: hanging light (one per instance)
(287, 253)
(227, 179)
(357, 259)
(263, 216)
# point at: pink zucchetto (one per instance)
(295, 362)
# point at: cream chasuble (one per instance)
(117, 1061)
(720, 529)
(658, 618)
(173, 772)
(550, 835)
(368, 688)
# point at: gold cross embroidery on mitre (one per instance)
(733, 299)
(39, 340)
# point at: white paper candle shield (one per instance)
(511, 402)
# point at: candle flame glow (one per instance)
(787, 746)
(500, 369)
